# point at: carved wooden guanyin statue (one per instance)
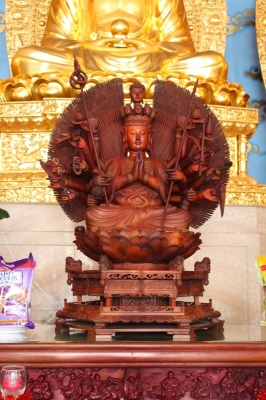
(140, 175)
(137, 178)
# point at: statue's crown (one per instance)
(140, 120)
(137, 85)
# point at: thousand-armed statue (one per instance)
(140, 175)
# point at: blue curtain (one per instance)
(244, 68)
(4, 66)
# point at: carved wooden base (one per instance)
(106, 332)
(137, 298)
(104, 327)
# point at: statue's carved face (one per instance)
(138, 109)
(128, 109)
(137, 137)
(147, 109)
(137, 95)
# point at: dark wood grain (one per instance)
(128, 354)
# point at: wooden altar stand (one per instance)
(139, 298)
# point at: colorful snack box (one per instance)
(15, 288)
(260, 264)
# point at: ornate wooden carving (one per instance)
(140, 176)
(147, 383)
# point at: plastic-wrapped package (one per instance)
(260, 264)
(15, 288)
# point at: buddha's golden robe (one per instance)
(158, 40)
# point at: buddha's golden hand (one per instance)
(136, 54)
(133, 46)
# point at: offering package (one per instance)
(260, 264)
(15, 287)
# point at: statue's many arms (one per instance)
(143, 153)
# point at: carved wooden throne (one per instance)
(137, 300)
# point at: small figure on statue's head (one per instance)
(126, 111)
(138, 109)
(149, 111)
(137, 92)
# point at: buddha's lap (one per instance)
(126, 217)
(210, 63)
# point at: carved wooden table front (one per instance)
(140, 367)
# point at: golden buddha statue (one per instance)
(128, 36)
